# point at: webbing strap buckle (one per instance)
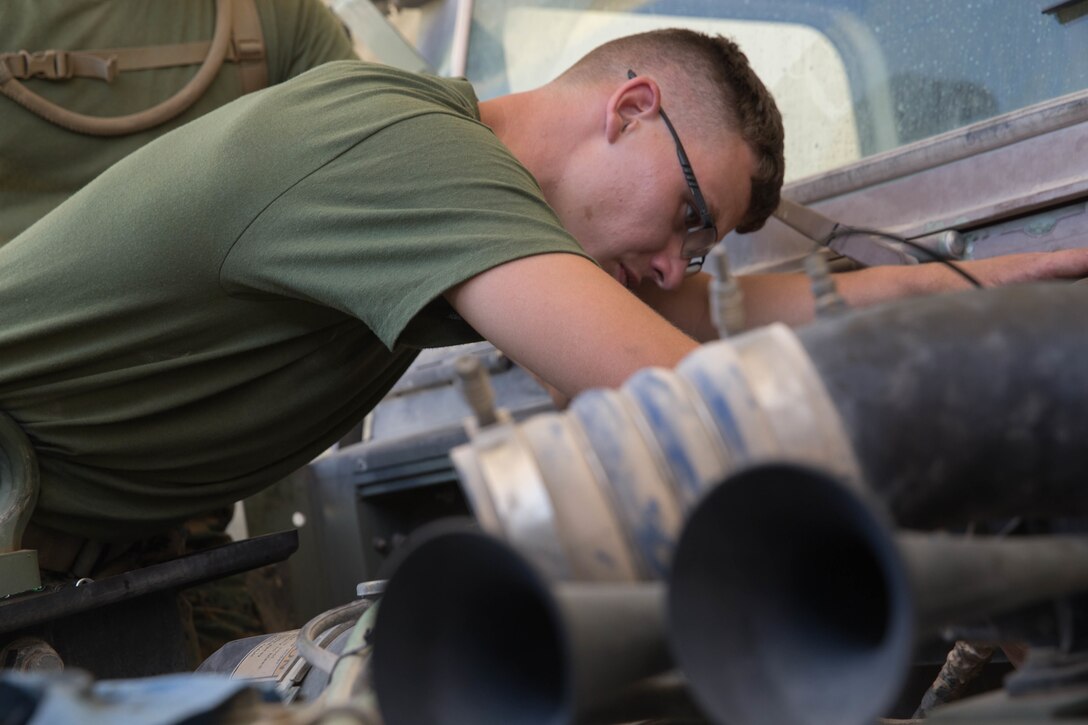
(51, 64)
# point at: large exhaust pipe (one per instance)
(967, 406)
(790, 600)
(469, 632)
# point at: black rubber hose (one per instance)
(966, 406)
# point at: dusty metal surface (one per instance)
(966, 180)
(968, 142)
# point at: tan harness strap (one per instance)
(106, 64)
(60, 64)
(248, 46)
(246, 49)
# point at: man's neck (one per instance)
(541, 128)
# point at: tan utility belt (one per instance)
(237, 38)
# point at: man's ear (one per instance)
(637, 100)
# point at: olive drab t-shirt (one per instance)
(219, 306)
(41, 164)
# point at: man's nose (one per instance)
(668, 268)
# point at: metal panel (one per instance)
(1023, 162)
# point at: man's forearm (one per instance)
(788, 297)
(778, 297)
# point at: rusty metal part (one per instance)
(964, 662)
(30, 654)
(819, 627)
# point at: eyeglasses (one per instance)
(702, 234)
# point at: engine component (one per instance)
(30, 654)
(964, 407)
(599, 492)
(470, 632)
(819, 626)
(963, 663)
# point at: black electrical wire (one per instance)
(842, 230)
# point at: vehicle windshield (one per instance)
(853, 78)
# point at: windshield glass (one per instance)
(853, 78)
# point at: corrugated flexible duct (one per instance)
(951, 408)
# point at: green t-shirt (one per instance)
(221, 305)
(41, 164)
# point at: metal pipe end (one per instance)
(468, 633)
(789, 602)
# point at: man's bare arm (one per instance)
(788, 297)
(563, 318)
(687, 307)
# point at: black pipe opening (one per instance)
(468, 633)
(788, 602)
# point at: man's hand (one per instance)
(788, 297)
(1030, 267)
